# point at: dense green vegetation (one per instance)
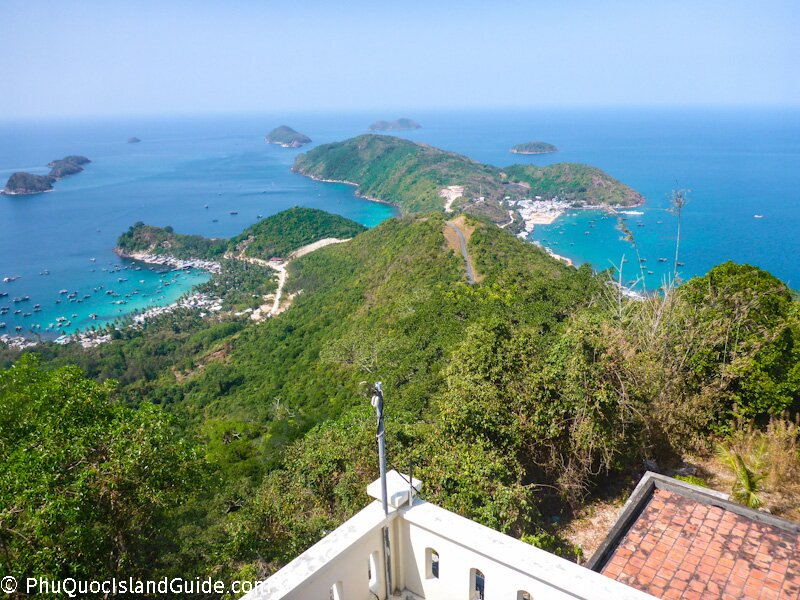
(401, 124)
(148, 239)
(533, 148)
(282, 234)
(516, 397)
(240, 284)
(287, 137)
(575, 182)
(411, 176)
(277, 235)
(87, 483)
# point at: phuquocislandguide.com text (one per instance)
(167, 587)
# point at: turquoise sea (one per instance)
(737, 163)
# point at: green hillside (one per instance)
(149, 239)
(574, 182)
(411, 175)
(285, 232)
(516, 398)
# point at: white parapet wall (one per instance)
(509, 568)
(436, 555)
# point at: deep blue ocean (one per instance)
(738, 163)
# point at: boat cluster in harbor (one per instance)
(166, 260)
(89, 339)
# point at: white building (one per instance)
(434, 554)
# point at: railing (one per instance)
(437, 555)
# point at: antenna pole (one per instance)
(377, 403)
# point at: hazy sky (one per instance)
(194, 56)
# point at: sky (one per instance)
(101, 57)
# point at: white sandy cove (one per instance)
(450, 194)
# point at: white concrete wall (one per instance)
(341, 556)
(509, 565)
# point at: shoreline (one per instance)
(356, 185)
(167, 260)
(5, 193)
(89, 339)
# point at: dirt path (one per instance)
(462, 243)
(265, 310)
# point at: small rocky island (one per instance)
(69, 165)
(22, 183)
(133, 140)
(287, 137)
(534, 148)
(402, 124)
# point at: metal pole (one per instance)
(377, 402)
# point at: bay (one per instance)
(738, 163)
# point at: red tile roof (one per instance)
(679, 547)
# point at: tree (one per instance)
(85, 483)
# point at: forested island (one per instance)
(401, 124)
(287, 137)
(412, 176)
(533, 148)
(521, 397)
(22, 183)
(275, 236)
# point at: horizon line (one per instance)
(406, 110)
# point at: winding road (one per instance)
(463, 243)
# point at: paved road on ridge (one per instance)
(463, 242)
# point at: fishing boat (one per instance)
(758, 216)
(3, 294)
(662, 259)
(234, 212)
